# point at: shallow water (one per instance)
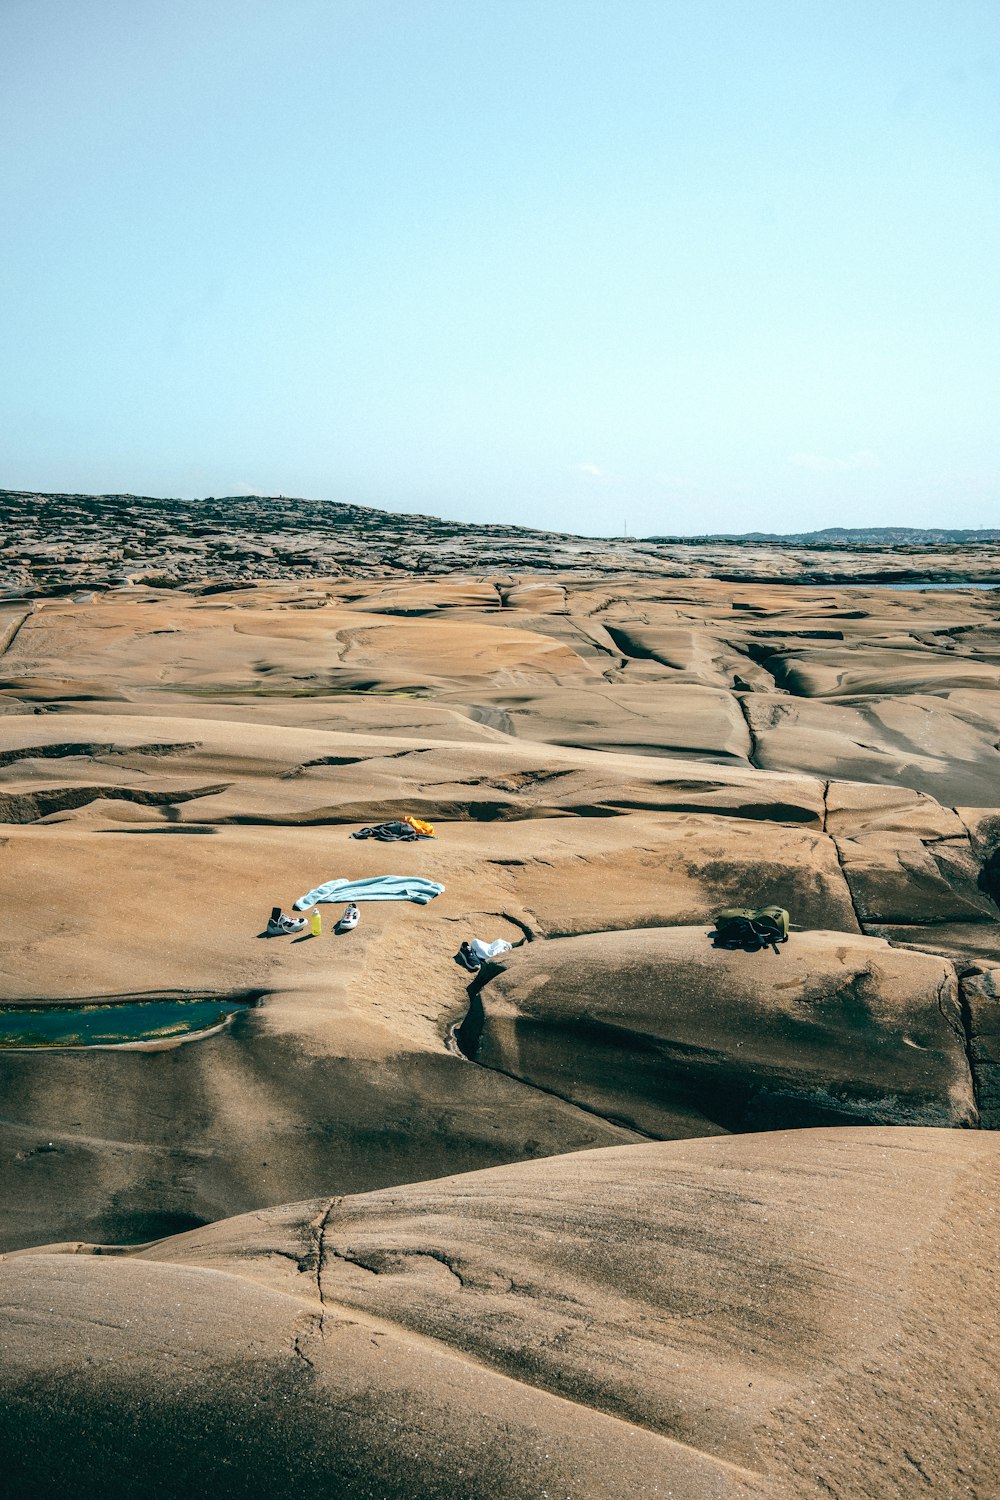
(926, 587)
(104, 1025)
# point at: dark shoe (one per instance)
(467, 959)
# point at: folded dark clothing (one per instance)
(389, 833)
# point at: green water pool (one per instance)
(109, 1025)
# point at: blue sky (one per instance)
(672, 266)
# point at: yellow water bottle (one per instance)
(317, 924)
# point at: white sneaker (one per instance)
(350, 919)
(285, 925)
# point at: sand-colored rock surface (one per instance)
(675, 1038)
(633, 1292)
(242, 773)
(341, 1076)
(884, 687)
(796, 1314)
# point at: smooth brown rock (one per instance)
(340, 1078)
(854, 808)
(943, 746)
(610, 752)
(214, 772)
(783, 1316)
(981, 999)
(680, 720)
(823, 674)
(666, 1034)
(895, 877)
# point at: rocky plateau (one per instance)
(620, 1213)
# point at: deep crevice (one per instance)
(843, 870)
(529, 935)
(318, 1249)
(468, 1034)
(753, 751)
(64, 750)
(29, 807)
(12, 632)
(965, 1012)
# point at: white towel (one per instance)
(484, 951)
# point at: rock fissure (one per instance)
(315, 1256)
(529, 934)
(312, 1326)
(847, 879)
(466, 1037)
(967, 1034)
(29, 807)
(63, 751)
(752, 753)
(10, 635)
(958, 1028)
(387, 1261)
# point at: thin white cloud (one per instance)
(821, 463)
(594, 471)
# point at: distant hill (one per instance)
(57, 543)
(849, 536)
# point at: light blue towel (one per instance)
(377, 888)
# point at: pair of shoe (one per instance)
(468, 959)
(281, 926)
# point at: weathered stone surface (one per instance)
(854, 808)
(944, 745)
(125, 1146)
(697, 1319)
(969, 945)
(897, 878)
(82, 541)
(610, 753)
(243, 773)
(340, 1079)
(682, 720)
(983, 824)
(981, 999)
(666, 1034)
(846, 673)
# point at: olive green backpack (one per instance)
(751, 928)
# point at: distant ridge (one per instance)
(848, 536)
(55, 543)
(218, 513)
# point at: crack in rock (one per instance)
(29, 807)
(64, 750)
(393, 1261)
